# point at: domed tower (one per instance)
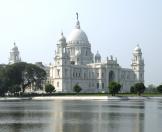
(60, 71)
(138, 64)
(78, 46)
(14, 55)
(97, 57)
(61, 53)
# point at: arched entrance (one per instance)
(111, 76)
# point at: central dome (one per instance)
(77, 36)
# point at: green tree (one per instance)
(159, 88)
(132, 90)
(19, 75)
(114, 88)
(49, 88)
(24, 74)
(139, 88)
(3, 88)
(3, 81)
(15, 89)
(77, 88)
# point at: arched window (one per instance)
(85, 75)
(58, 72)
(97, 85)
(102, 85)
(86, 53)
(57, 84)
(111, 76)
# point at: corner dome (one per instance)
(62, 38)
(137, 49)
(15, 48)
(97, 55)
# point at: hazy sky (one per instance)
(114, 27)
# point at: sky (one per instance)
(114, 27)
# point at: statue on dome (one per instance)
(77, 15)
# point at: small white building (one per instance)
(74, 63)
(14, 55)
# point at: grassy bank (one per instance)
(88, 94)
(93, 94)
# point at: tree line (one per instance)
(137, 88)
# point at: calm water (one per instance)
(81, 116)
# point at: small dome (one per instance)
(97, 55)
(137, 49)
(62, 38)
(15, 48)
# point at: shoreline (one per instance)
(70, 97)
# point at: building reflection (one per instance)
(120, 116)
(153, 116)
(78, 116)
(71, 116)
(138, 123)
(56, 124)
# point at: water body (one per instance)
(81, 116)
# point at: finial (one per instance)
(138, 45)
(77, 15)
(14, 44)
(62, 33)
(116, 59)
(107, 58)
(77, 23)
(111, 57)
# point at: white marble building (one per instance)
(74, 63)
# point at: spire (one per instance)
(14, 44)
(77, 23)
(62, 34)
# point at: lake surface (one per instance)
(81, 116)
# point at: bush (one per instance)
(159, 88)
(139, 88)
(132, 90)
(77, 88)
(49, 88)
(114, 88)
